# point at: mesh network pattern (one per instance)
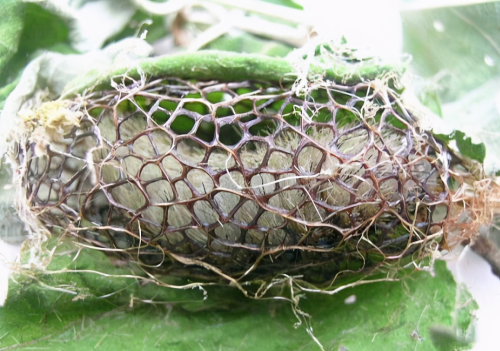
(250, 178)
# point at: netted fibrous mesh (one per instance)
(246, 179)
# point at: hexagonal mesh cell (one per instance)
(252, 179)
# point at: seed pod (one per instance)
(244, 178)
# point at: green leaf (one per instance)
(55, 29)
(5, 91)
(430, 99)
(111, 15)
(248, 43)
(287, 3)
(385, 315)
(465, 145)
(469, 149)
(456, 51)
(11, 26)
(29, 36)
(459, 43)
(140, 21)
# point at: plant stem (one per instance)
(226, 67)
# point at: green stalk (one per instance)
(229, 66)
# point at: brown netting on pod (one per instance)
(249, 180)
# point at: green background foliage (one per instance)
(31, 28)
(454, 42)
(96, 313)
(456, 49)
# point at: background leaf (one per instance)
(457, 51)
(459, 42)
(244, 42)
(383, 317)
(32, 17)
(155, 25)
(11, 26)
(287, 3)
(468, 148)
(465, 145)
(112, 15)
